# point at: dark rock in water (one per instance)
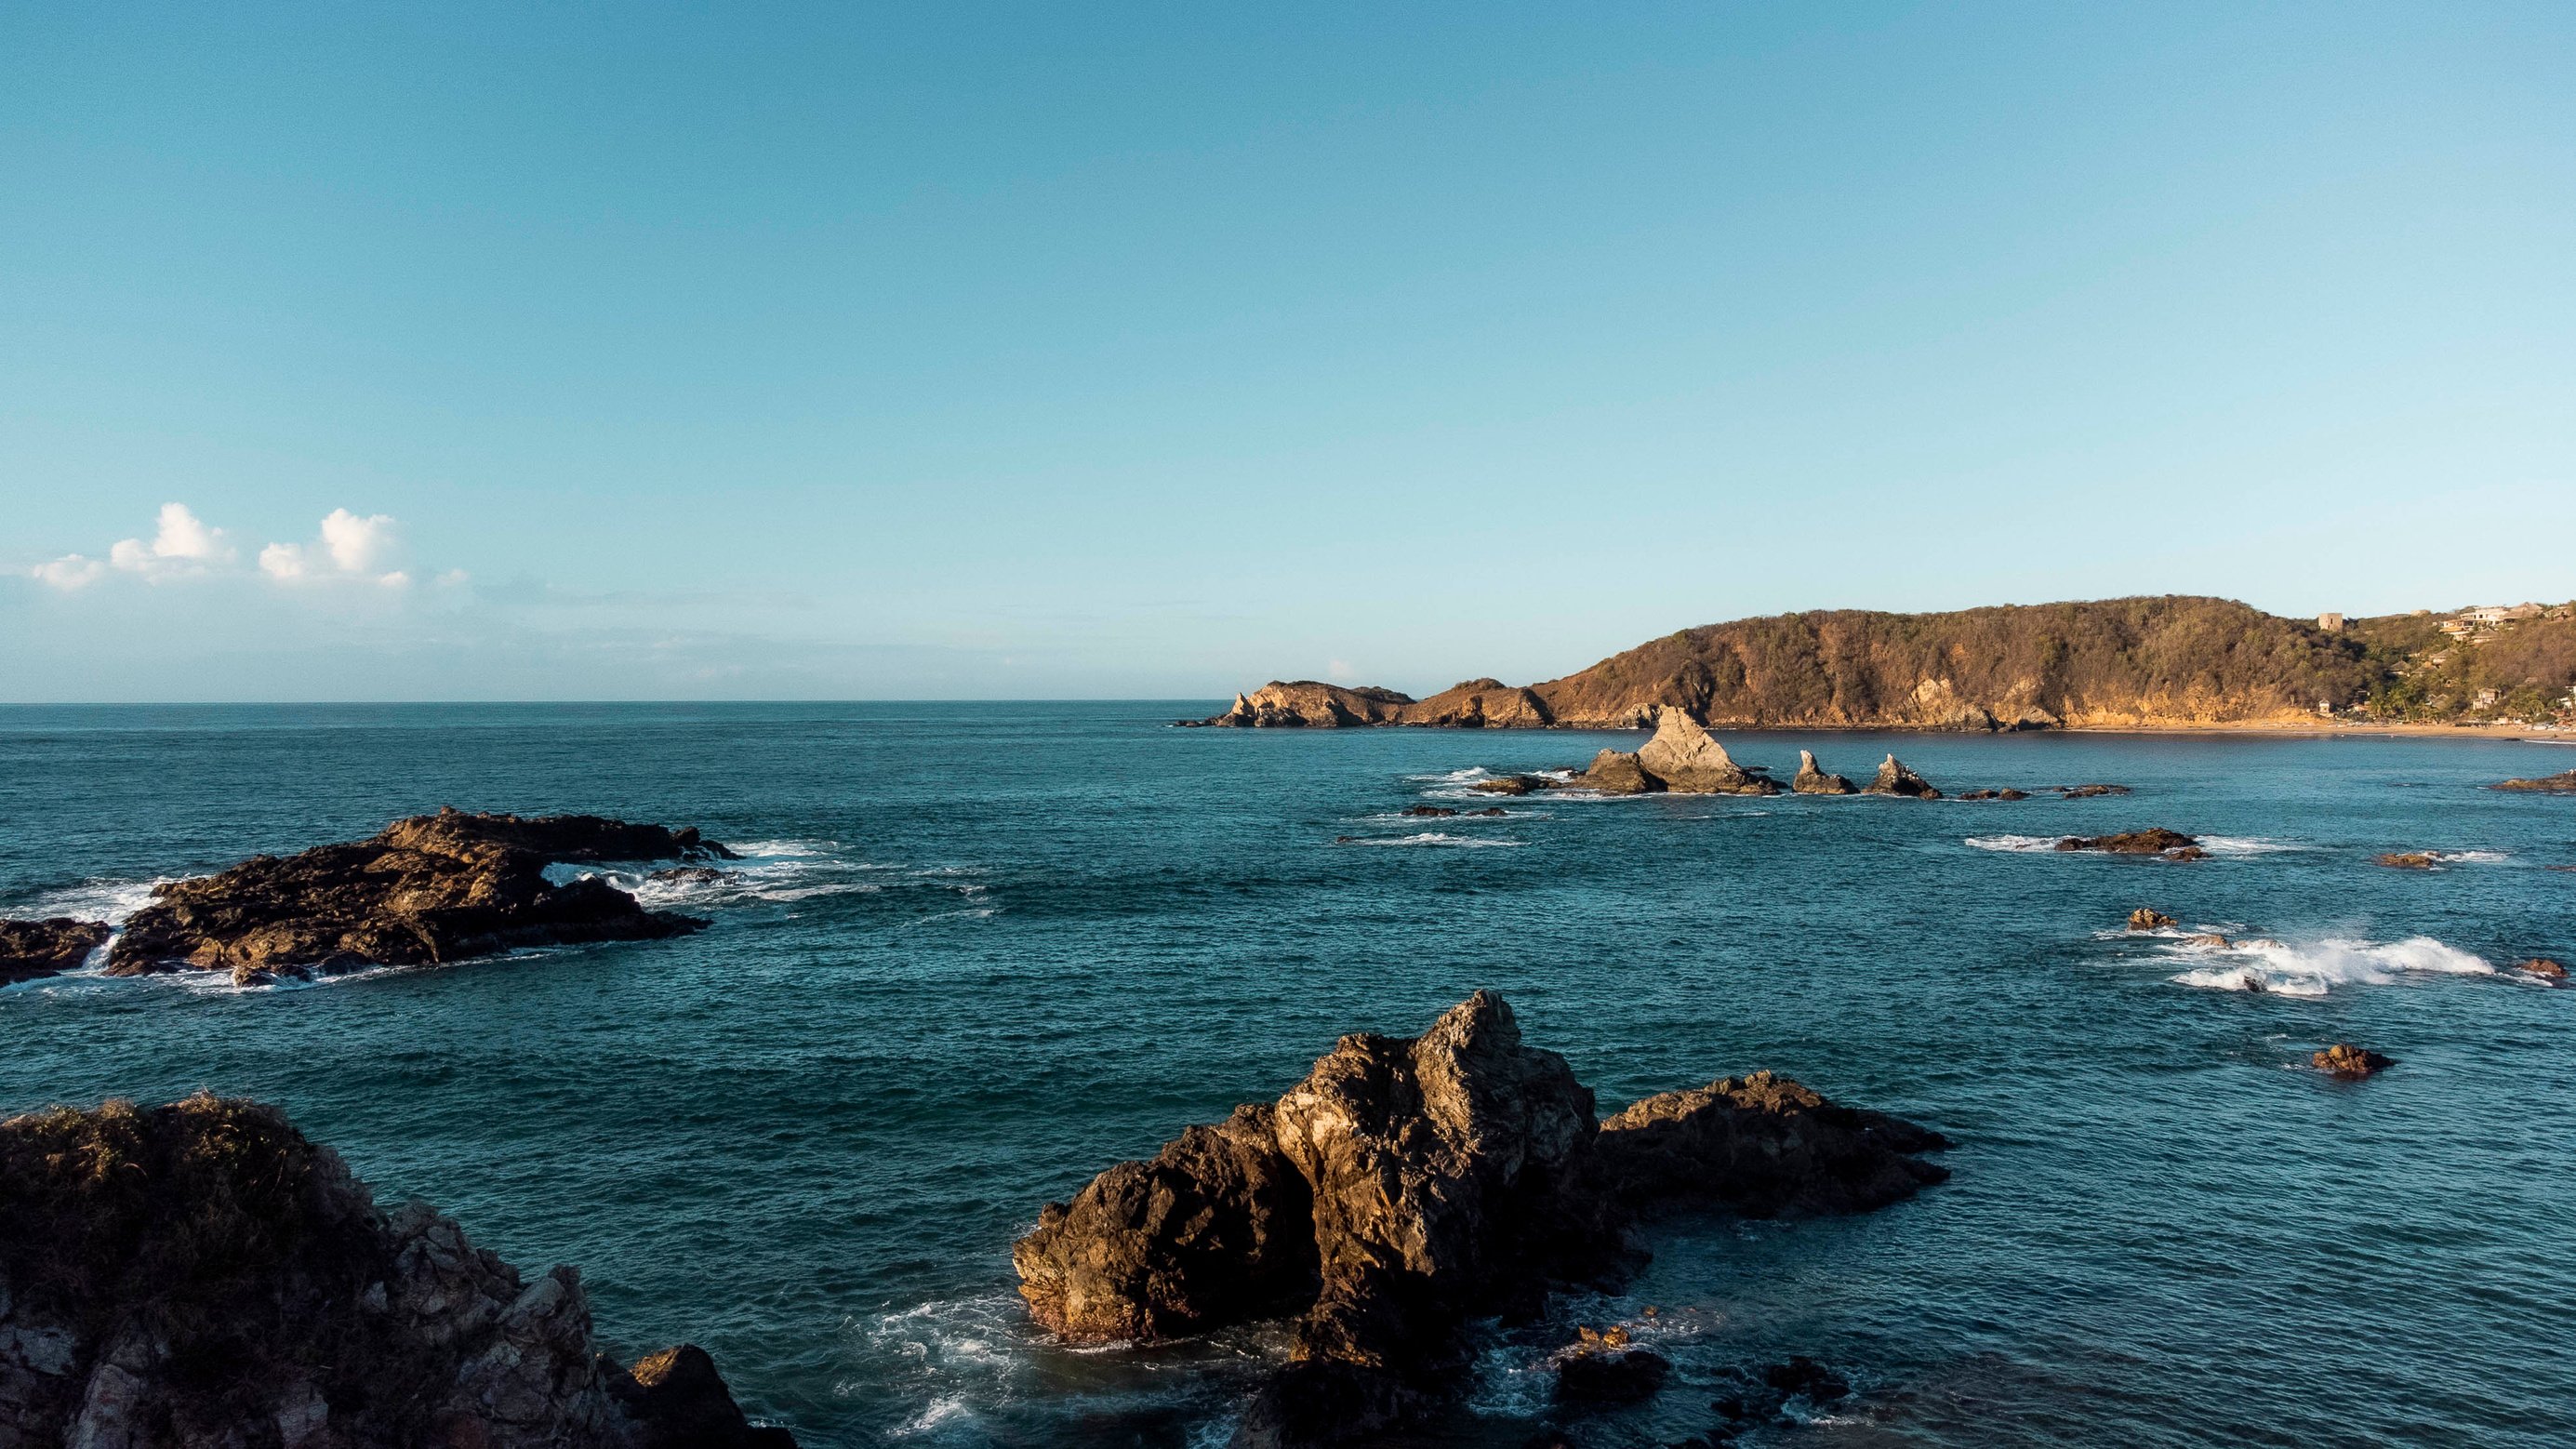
(677, 1400)
(1514, 785)
(1408, 1186)
(2563, 783)
(1803, 1377)
(2136, 842)
(691, 875)
(2006, 794)
(2088, 792)
(2148, 918)
(29, 949)
(2410, 860)
(1690, 761)
(2542, 967)
(2212, 940)
(1894, 779)
(428, 889)
(1434, 810)
(1611, 1376)
(1616, 772)
(2345, 1060)
(1490, 810)
(200, 1274)
(1216, 1229)
(1811, 778)
(1763, 1146)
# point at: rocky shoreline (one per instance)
(1408, 1187)
(200, 1275)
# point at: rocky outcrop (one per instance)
(1811, 779)
(1606, 1369)
(1616, 772)
(428, 889)
(1309, 704)
(2410, 860)
(2542, 967)
(2562, 783)
(2158, 841)
(2148, 918)
(1894, 779)
(1690, 761)
(2090, 792)
(2003, 794)
(1477, 704)
(1762, 1146)
(29, 949)
(2350, 1062)
(201, 1274)
(1514, 785)
(1406, 1186)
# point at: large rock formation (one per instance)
(427, 889)
(1690, 761)
(2562, 783)
(1406, 1186)
(1477, 704)
(29, 949)
(1616, 772)
(1894, 779)
(1812, 780)
(201, 1274)
(1308, 704)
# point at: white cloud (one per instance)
(185, 544)
(71, 571)
(349, 547)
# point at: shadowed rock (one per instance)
(2148, 918)
(1812, 780)
(29, 949)
(2158, 841)
(2003, 794)
(1894, 779)
(1762, 1146)
(201, 1274)
(1602, 1375)
(1616, 772)
(2350, 1062)
(427, 889)
(1690, 761)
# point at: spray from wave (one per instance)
(2316, 968)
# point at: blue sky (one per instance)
(646, 351)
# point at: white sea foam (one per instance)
(112, 901)
(1427, 837)
(2015, 842)
(2314, 968)
(2214, 844)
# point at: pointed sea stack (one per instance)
(1812, 780)
(1690, 761)
(1895, 779)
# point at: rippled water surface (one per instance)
(981, 951)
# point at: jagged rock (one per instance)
(1310, 704)
(2088, 792)
(2158, 841)
(2148, 918)
(427, 889)
(1514, 785)
(1763, 1146)
(2543, 967)
(679, 1401)
(1477, 704)
(1690, 761)
(1217, 1228)
(202, 1275)
(1812, 780)
(1605, 1376)
(29, 949)
(2410, 860)
(1430, 810)
(1616, 772)
(2563, 783)
(1895, 779)
(2345, 1060)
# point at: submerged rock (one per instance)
(2148, 918)
(1812, 779)
(1895, 779)
(201, 1274)
(427, 889)
(29, 949)
(2158, 841)
(1407, 1186)
(2410, 860)
(1690, 761)
(2563, 783)
(2542, 967)
(1616, 772)
(2088, 792)
(1310, 704)
(2003, 794)
(2343, 1059)
(1605, 1375)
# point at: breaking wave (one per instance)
(2214, 844)
(2317, 967)
(112, 901)
(1427, 837)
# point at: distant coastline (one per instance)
(2166, 664)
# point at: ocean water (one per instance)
(981, 951)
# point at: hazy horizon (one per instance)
(1015, 353)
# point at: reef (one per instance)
(427, 889)
(1406, 1187)
(29, 949)
(201, 1274)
